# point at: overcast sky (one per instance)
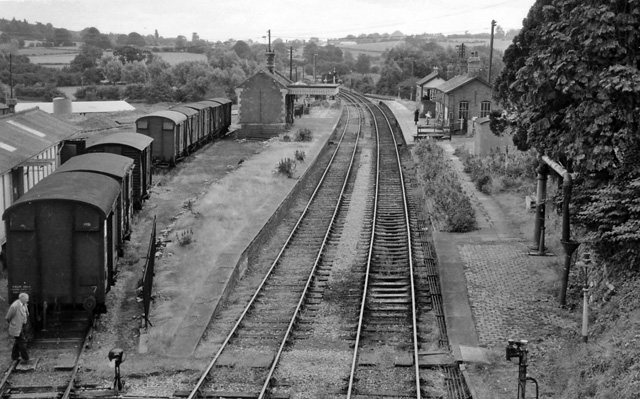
(215, 20)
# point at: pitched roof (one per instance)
(428, 78)
(26, 134)
(459, 81)
(276, 76)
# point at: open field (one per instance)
(472, 42)
(376, 49)
(370, 49)
(61, 57)
(176, 58)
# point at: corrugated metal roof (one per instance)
(26, 134)
(82, 107)
(459, 81)
(174, 116)
(136, 140)
(113, 165)
(92, 189)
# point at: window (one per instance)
(463, 110)
(167, 125)
(143, 124)
(485, 108)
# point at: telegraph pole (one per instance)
(291, 63)
(493, 24)
(269, 34)
(314, 68)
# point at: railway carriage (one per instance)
(192, 126)
(178, 131)
(120, 169)
(137, 147)
(167, 129)
(204, 113)
(223, 118)
(61, 242)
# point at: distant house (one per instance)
(425, 88)
(464, 96)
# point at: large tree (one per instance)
(571, 90)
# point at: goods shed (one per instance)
(30, 144)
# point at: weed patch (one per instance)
(453, 210)
(287, 167)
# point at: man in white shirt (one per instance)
(17, 317)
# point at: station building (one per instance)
(267, 101)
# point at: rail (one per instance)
(267, 381)
(370, 259)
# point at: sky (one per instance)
(220, 20)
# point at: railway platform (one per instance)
(492, 290)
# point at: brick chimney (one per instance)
(474, 64)
(271, 64)
(450, 71)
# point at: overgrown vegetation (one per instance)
(287, 167)
(453, 210)
(571, 90)
(303, 134)
(300, 155)
(499, 171)
(184, 237)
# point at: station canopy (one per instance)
(319, 89)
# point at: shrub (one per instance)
(286, 137)
(512, 168)
(287, 167)
(184, 237)
(453, 208)
(300, 155)
(303, 134)
(43, 93)
(134, 91)
(483, 184)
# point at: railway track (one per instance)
(386, 335)
(358, 315)
(54, 356)
(248, 356)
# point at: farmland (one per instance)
(376, 49)
(61, 57)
